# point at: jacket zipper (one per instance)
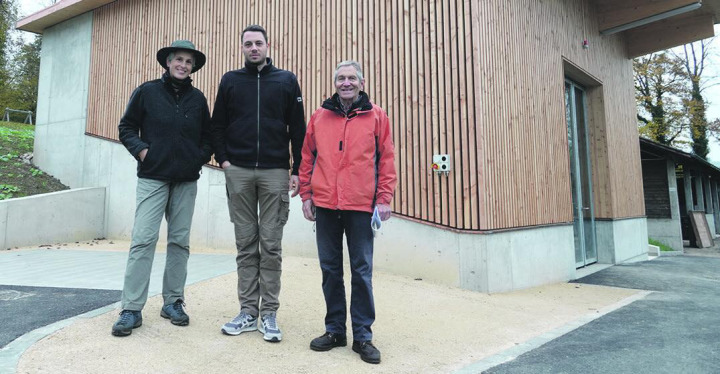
(175, 134)
(347, 119)
(257, 160)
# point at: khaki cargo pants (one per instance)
(258, 239)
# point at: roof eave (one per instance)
(679, 155)
(61, 11)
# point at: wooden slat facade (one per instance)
(479, 80)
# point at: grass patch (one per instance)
(662, 246)
(18, 178)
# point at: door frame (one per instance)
(585, 214)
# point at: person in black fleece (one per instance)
(258, 113)
(166, 127)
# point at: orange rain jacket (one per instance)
(348, 161)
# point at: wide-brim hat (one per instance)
(181, 45)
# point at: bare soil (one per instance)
(18, 177)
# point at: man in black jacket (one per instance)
(166, 127)
(258, 111)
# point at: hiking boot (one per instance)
(241, 323)
(129, 320)
(268, 326)
(328, 341)
(367, 351)
(175, 313)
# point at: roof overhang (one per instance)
(653, 25)
(648, 25)
(61, 11)
(691, 160)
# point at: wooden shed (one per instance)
(677, 184)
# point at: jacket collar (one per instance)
(362, 105)
(169, 83)
(251, 68)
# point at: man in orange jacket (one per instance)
(347, 171)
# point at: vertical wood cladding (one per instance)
(479, 80)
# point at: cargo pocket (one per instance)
(283, 209)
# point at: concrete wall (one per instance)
(517, 259)
(624, 240)
(666, 231)
(63, 98)
(108, 164)
(710, 217)
(58, 217)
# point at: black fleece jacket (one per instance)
(174, 127)
(256, 115)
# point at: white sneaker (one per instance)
(241, 323)
(268, 326)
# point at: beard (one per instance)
(258, 63)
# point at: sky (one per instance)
(711, 94)
(28, 7)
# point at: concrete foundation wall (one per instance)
(63, 98)
(624, 240)
(59, 217)
(667, 231)
(516, 259)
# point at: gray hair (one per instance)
(171, 56)
(352, 63)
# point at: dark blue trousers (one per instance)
(331, 224)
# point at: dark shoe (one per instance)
(129, 320)
(175, 313)
(328, 341)
(367, 351)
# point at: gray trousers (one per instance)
(258, 241)
(176, 201)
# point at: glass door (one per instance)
(580, 175)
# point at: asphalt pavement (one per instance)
(25, 309)
(675, 329)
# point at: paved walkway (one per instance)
(420, 327)
(96, 269)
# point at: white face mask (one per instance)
(375, 222)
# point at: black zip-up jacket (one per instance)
(174, 127)
(256, 115)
